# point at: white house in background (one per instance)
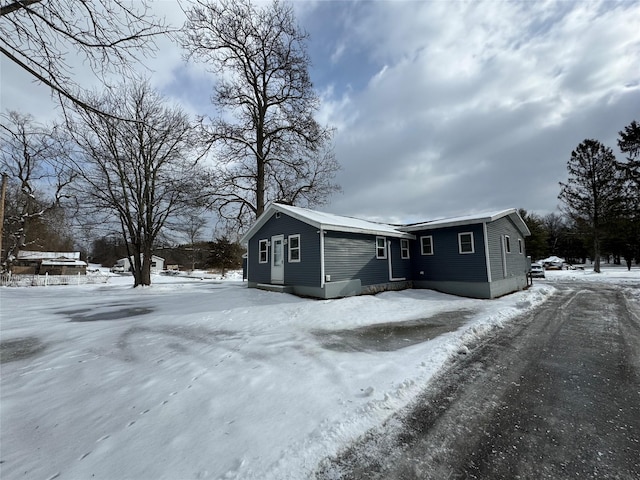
(124, 264)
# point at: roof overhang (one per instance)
(350, 225)
(512, 213)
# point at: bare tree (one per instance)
(592, 195)
(191, 227)
(37, 179)
(272, 147)
(43, 37)
(141, 173)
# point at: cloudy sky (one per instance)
(442, 108)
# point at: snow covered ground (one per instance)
(203, 378)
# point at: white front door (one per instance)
(277, 259)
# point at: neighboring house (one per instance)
(316, 254)
(124, 264)
(52, 263)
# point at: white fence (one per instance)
(9, 280)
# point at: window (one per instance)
(294, 248)
(381, 247)
(404, 248)
(465, 242)
(426, 245)
(520, 245)
(263, 251)
(507, 244)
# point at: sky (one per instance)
(441, 108)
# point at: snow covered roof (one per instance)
(326, 221)
(64, 261)
(338, 223)
(32, 255)
(512, 213)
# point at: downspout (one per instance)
(486, 250)
(391, 277)
(321, 232)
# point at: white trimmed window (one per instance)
(294, 248)
(381, 247)
(520, 245)
(263, 251)
(426, 245)
(404, 248)
(465, 243)
(507, 244)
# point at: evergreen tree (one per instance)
(629, 143)
(593, 195)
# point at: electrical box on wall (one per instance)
(327, 278)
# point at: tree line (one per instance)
(600, 204)
(123, 160)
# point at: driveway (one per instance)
(556, 395)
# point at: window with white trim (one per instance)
(520, 245)
(426, 245)
(263, 251)
(507, 244)
(404, 248)
(465, 243)
(381, 247)
(294, 248)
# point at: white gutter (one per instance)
(486, 250)
(391, 277)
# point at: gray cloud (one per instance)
(441, 108)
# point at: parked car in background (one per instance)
(553, 263)
(537, 270)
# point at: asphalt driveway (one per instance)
(556, 395)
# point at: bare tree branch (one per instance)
(266, 91)
(43, 37)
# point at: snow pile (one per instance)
(609, 273)
(195, 377)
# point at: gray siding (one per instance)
(447, 264)
(306, 272)
(351, 255)
(516, 262)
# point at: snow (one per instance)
(200, 377)
(461, 220)
(326, 221)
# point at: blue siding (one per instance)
(447, 264)
(307, 271)
(402, 268)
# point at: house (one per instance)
(480, 256)
(48, 263)
(311, 253)
(124, 264)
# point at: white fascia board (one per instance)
(266, 215)
(471, 220)
(294, 213)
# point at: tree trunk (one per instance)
(596, 254)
